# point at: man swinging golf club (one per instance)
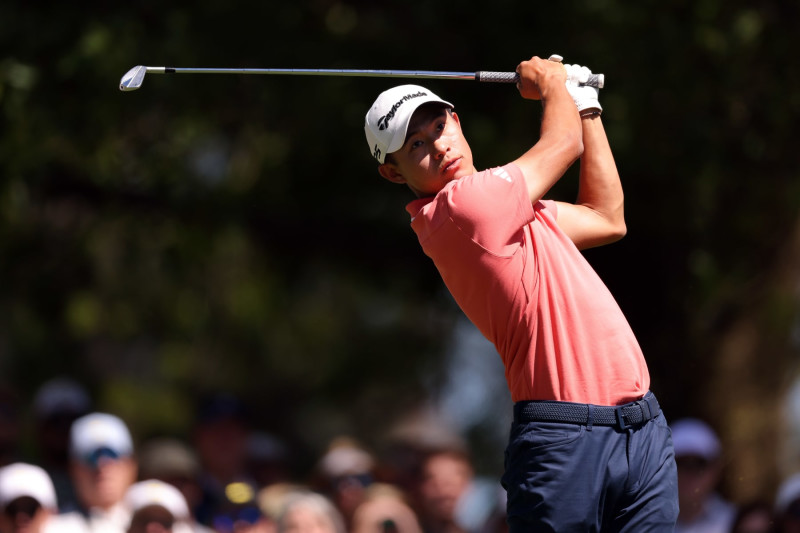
(589, 449)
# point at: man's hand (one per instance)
(586, 98)
(538, 76)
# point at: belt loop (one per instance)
(646, 413)
(655, 409)
(590, 418)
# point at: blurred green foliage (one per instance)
(224, 232)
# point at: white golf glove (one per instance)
(586, 98)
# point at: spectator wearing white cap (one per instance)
(345, 472)
(102, 467)
(174, 462)
(27, 498)
(698, 454)
(157, 507)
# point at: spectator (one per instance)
(449, 496)
(220, 438)
(157, 507)
(754, 517)
(310, 512)
(268, 459)
(385, 510)
(344, 473)
(240, 512)
(272, 499)
(408, 442)
(102, 467)
(56, 405)
(699, 459)
(27, 499)
(429, 461)
(172, 461)
(787, 506)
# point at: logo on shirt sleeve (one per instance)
(502, 174)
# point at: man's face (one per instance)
(445, 478)
(435, 152)
(151, 519)
(697, 478)
(103, 483)
(222, 447)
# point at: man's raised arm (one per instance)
(559, 143)
(597, 216)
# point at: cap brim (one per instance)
(399, 138)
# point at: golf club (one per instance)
(134, 78)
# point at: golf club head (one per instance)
(133, 79)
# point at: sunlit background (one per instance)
(230, 233)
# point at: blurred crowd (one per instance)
(700, 460)
(89, 475)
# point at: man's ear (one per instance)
(390, 172)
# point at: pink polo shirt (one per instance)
(529, 290)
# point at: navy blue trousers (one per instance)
(565, 477)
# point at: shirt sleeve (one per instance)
(491, 208)
(552, 206)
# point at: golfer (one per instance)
(589, 449)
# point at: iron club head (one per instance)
(133, 79)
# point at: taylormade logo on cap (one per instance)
(384, 120)
(387, 120)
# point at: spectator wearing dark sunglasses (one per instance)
(27, 499)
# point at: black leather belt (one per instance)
(630, 415)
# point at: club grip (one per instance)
(595, 80)
(497, 77)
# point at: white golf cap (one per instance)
(387, 120)
(153, 492)
(100, 431)
(346, 458)
(22, 479)
(694, 437)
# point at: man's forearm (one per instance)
(599, 187)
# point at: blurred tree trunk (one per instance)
(752, 370)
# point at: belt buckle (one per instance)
(621, 417)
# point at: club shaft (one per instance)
(429, 74)
(595, 80)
